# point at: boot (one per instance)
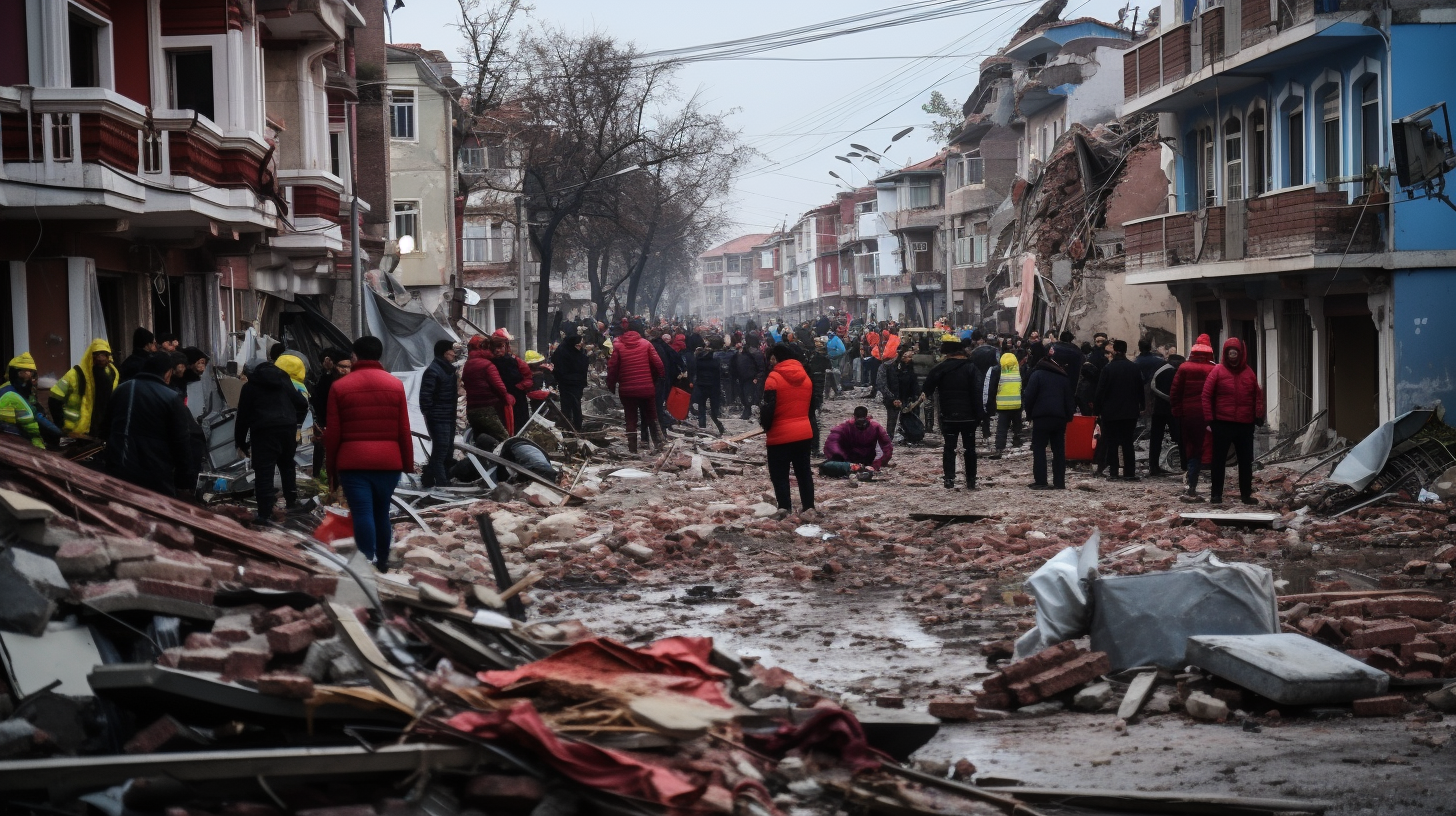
(719, 423)
(632, 444)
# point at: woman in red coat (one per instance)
(632, 373)
(368, 442)
(1233, 402)
(788, 398)
(1187, 399)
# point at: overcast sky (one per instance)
(797, 114)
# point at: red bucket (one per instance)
(1079, 438)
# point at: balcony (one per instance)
(1177, 68)
(1280, 231)
(970, 277)
(902, 284)
(848, 235)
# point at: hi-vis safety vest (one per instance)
(1008, 387)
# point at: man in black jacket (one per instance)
(147, 440)
(708, 391)
(1048, 401)
(901, 386)
(1119, 402)
(750, 369)
(1068, 358)
(1162, 418)
(961, 408)
(336, 363)
(270, 410)
(143, 343)
(569, 365)
(439, 395)
(986, 356)
(817, 364)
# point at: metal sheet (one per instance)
(64, 653)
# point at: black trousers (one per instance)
(1008, 420)
(710, 404)
(442, 451)
(791, 455)
(747, 395)
(1119, 435)
(521, 411)
(1046, 431)
(1160, 423)
(273, 449)
(571, 404)
(867, 368)
(1240, 435)
(964, 433)
(892, 418)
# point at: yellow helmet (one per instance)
(23, 361)
(949, 338)
(533, 356)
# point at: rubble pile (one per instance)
(1412, 637)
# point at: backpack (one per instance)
(882, 379)
(912, 429)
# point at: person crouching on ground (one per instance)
(860, 443)
(788, 398)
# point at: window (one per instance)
(472, 159)
(334, 150)
(61, 137)
(189, 81)
(866, 207)
(402, 114)
(1233, 159)
(1258, 153)
(765, 259)
(1330, 133)
(151, 152)
(485, 243)
(915, 194)
(991, 94)
(407, 221)
(495, 156)
(969, 170)
(1296, 147)
(84, 42)
(1369, 125)
(1207, 184)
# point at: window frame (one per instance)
(1234, 187)
(104, 65)
(1256, 151)
(1329, 150)
(173, 100)
(414, 114)
(394, 231)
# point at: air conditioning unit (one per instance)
(919, 246)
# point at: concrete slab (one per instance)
(1287, 668)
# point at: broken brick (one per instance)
(954, 708)
(282, 684)
(1387, 633)
(157, 736)
(82, 558)
(202, 660)
(1041, 661)
(1071, 674)
(1391, 705)
(175, 591)
(291, 637)
(1414, 606)
(268, 576)
(245, 664)
(165, 569)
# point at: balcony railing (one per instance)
(1298, 221)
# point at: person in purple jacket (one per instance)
(857, 444)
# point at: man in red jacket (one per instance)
(632, 374)
(1233, 402)
(369, 445)
(1187, 404)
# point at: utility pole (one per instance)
(357, 278)
(523, 246)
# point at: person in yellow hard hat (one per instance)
(79, 401)
(20, 414)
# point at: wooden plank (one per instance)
(384, 676)
(1324, 598)
(739, 438)
(1137, 694)
(1232, 518)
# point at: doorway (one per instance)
(1354, 376)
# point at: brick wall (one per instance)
(1306, 220)
(1159, 243)
(1177, 51)
(1254, 21)
(1129, 73)
(1212, 35)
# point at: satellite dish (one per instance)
(902, 134)
(860, 147)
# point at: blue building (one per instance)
(1287, 229)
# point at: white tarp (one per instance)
(1061, 589)
(1365, 461)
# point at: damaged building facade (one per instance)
(1290, 226)
(178, 164)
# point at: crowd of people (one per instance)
(1012, 390)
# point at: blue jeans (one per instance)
(368, 493)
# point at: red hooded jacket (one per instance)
(793, 392)
(1187, 393)
(484, 387)
(1232, 392)
(634, 367)
(368, 426)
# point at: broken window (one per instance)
(1233, 158)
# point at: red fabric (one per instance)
(1232, 392)
(484, 387)
(526, 382)
(601, 768)
(793, 393)
(872, 342)
(677, 665)
(678, 403)
(634, 367)
(679, 343)
(832, 730)
(368, 426)
(892, 347)
(1186, 395)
